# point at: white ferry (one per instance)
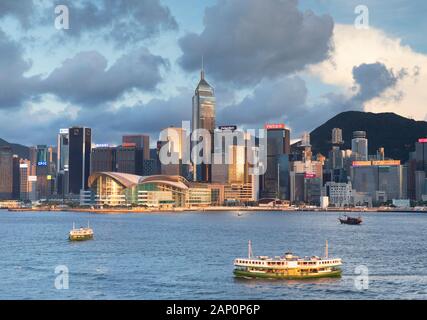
(287, 267)
(81, 233)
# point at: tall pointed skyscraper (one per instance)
(203, 118)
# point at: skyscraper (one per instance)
(28, 183)
(221, 167)
(359, 146)
(79, 158)
(384, 179)
(62, 162)
(306, 147)
(337, 136)
(129, 158)
(6, 172)
(141, 141)
(103, 159)
(420, 154)
(42, 171)
(16, 178)
(204, 118)
(46, 171)
(174, 140)
(276, 178)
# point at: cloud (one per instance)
(286, 100)
(121, 21)
(44, 122)
(373, 79)
(245, 41)
(283, 101)
(149, 117)
(86, 80)
(22, 10)
(270, 101)
(354, 47)
(14, 86)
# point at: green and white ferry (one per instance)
(81, 234)
(288, 267)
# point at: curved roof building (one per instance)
(126, 180)
(115, 188)
(173, 181)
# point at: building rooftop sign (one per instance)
(386, 163)
(129, 145)
(361, 163)
(376, 163)
(275, 126)
(228, 128)
(309, 175)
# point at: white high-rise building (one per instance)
(337, 136)
(359, 146)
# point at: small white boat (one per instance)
(81, 233)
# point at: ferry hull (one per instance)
(258, 275)
(80, 238)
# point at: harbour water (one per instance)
(190, 255)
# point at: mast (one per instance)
(202, 72)
(250, 249)
(326, 249)
(278, 182)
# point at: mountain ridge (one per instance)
(18, 149)
(395, 133)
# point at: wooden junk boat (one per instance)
(350, 220)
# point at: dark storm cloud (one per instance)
(373, 79)
(285, 100)
(124, 21)
(20, 9)
(14, 86)
(86, 80)
(270, 101)
(244, 41)
(148, 117)
(108, 125)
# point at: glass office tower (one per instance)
(80, 140)
(275, 182)
(203, 118)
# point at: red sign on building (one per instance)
(275, 126)
(422, 140)
(129, 145)
(310, 175)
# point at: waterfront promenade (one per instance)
(216, 209)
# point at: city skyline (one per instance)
(145, 143)
(164, 54)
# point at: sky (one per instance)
(132, 66)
